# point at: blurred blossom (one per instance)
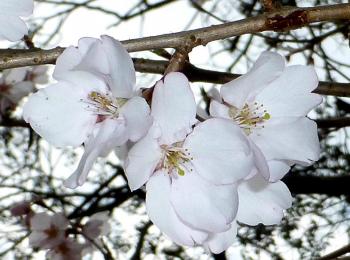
(47, 231)
(67, 249)
(18, 83)
(97, 226)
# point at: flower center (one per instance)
(104, 105)
(250, 116)
(175, 158)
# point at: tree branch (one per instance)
(284, 19)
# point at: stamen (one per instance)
(175, 158)
(103, 104)
(250, 116)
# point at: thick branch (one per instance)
(195, 74)
(284, 19)
(331, 186)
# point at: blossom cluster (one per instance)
(54, 232)
(203, 176)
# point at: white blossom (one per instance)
(94, 103)
(270, 103)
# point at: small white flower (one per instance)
(270, 103)
(12, 27)
(101, 110)
(47, 231)
(190, 173)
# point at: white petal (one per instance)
(121, 68)
(262, 202)
(261, 164)
(162, 214)
(16, 7)
(218, 109)
(268, 67)
(57, 114)
(142, 160)
(277, 170)
(94, 58)
(220, 150)
(290, 94)
(219, 242)
(138, 119)
(67, 61)
(203, 205)
(110, 134)
(173, 107)
(293, 139)
(73, 56)
(12, 28)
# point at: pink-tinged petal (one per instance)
(162, 214)
(12, 28)
(293, 139)
(121, 68)
(219, 242)
(36, 239)
(60, 221)
(202, 205)
(142, 161)
(57, 114)
(16, 7)
(14, 76)
(19, 91)
(278, 169)
(110, 134)
(218, 109)
(220, 150)
(267, 68)
(137, 116)
(290, 94)
(262, 202)
(40, 221)
(173, 107)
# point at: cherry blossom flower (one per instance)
(67, 249)
(89, 105)
(270, 103)
(191, 174)
(47, 231)
(12, 27)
